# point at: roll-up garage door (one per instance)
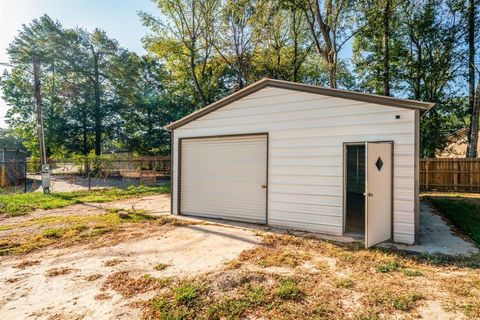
(224, 177)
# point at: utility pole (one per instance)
(45, 170)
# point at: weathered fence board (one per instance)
(453, 174)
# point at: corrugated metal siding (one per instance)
(222, 178)
(306, 136)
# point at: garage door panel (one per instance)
(223, 177)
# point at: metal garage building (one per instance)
(302, 157)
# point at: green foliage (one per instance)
(406, 302)
(288, 289)
(187, 293)
(161, 266)
(19, 204)
(98, 96)
(346, 283)
(10, 140)
(95, 94)
(411, 273)
(388, 266)
(235, 307)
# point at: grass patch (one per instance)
(275, 258)
(388, 301)
(113, 262)
(55, 233)
(58, 272)
(64, 230)
(275, 252)
(187, 293)
(407, 301)
(128, 287)
(371, 284)
(412, 273)
(235, 307)
(463, 212)
(288, 289)
(27, 263)
(161, 266)
(343, 282)
(20, 204)
(389, 266)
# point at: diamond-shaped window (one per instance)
(379, 164)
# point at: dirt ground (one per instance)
(66, 283)
(189, 269)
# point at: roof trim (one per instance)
(266, 82)
(13, 150)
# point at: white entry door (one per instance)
(224, 177)
(378, 193)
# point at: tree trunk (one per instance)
(196, 84)
(472, 133)
(85, 139)
(295, 45)
(329, 49)
(97, 113)
(332, 72)
(386, 49)
(474, 122)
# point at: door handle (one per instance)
(264, 186)
(368, 194)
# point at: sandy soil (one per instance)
(31, 293)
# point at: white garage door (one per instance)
(224, 177)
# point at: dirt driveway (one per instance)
(68, 283)
(129, 259)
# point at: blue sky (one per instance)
(117, 17)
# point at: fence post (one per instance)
(25, 178)
(470, 187)
(88, 174)
(455, 175)
(427, 165)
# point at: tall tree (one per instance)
(284, 43)
(182, 35)
(473, 106)
(386, 47)
(81, 74)
(331, 26)
(433, 36)
(378, 48)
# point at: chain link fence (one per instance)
(84, 174)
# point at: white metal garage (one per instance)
(302, 157)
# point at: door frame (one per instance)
(344, 181)
(179, 166)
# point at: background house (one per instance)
(456, 146)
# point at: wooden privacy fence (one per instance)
(450, 175)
